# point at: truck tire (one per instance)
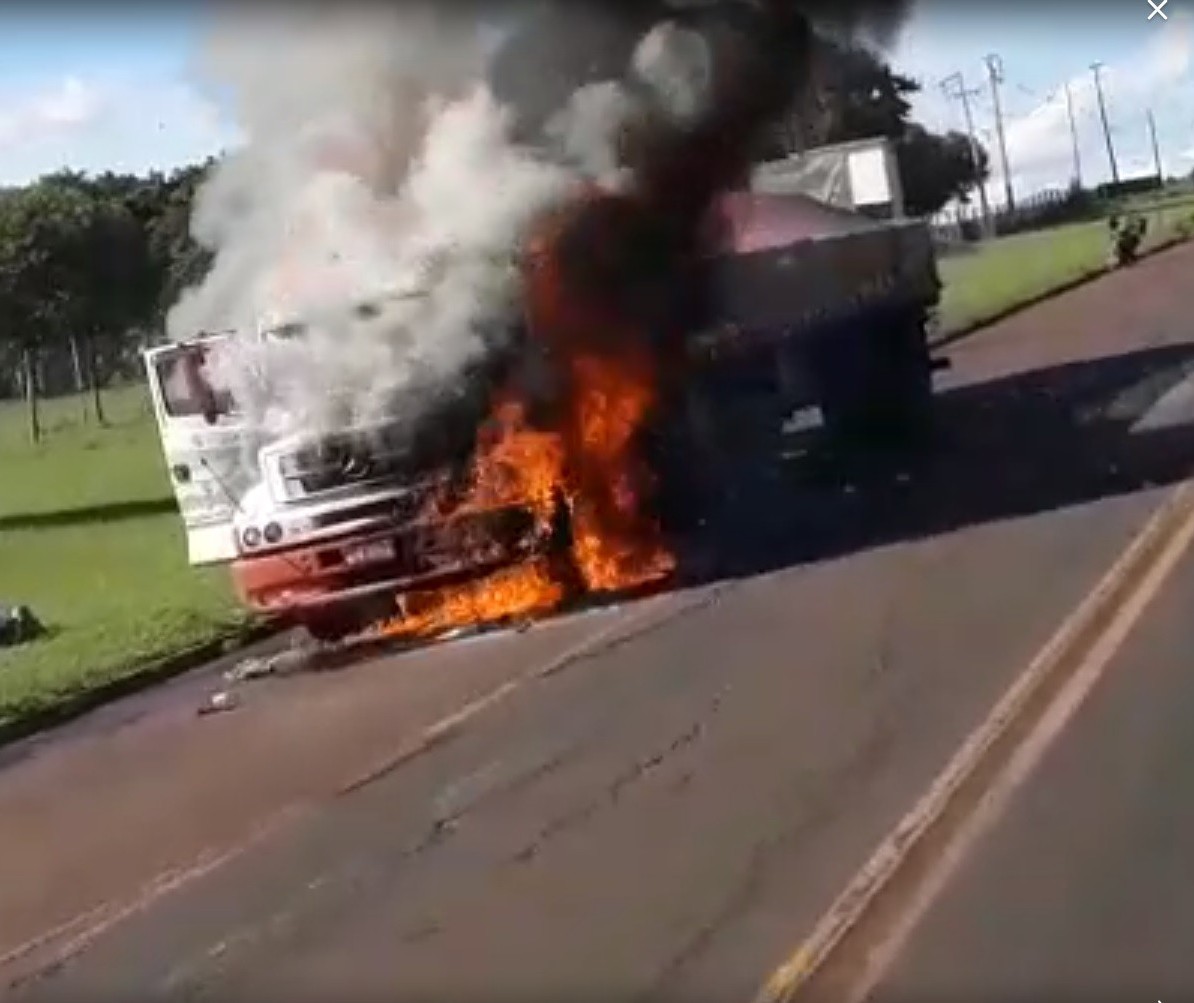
(682, 450)
(877, 389)
(561, 548)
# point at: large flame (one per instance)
(589, 455)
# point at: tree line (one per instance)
(90, 264)
(855, 94)
(88, 267)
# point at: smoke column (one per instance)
(384, 161)
(376, 163)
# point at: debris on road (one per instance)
(455, 634)
(219, 703)
(284, 663)
(19, 625)
(249, 668)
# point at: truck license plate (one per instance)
(370, 553)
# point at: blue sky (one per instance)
(102, 87)
(114, 87)
(1148, 64)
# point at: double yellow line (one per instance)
(854, 944)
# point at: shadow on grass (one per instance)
(113, 512)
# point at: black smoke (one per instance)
(641, 253)
(558, 46)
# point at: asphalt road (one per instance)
(1083, 890)
(660, 799)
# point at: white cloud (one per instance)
(1040, 144)
(107, 124)
(1157, 73)
(72, 103)
(33, 118)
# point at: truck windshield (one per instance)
(186, 389)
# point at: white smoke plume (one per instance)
(379, 167)
(374, 164)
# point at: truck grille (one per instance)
(468, 541)
(397, 510)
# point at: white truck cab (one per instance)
(239, 495)
(324, 531)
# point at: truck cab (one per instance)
(326, 531)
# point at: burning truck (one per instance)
(651, 317)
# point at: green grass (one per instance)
(89, 539)
(1001, 274)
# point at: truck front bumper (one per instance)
(374, 568)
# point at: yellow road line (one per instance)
(859, 937)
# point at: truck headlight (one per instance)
(273, 533)
(251, 537)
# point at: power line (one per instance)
(995, 75)
(954, 86)
(1094, 68)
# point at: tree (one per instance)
(33, 222)
(86, 264)
(110, 269)
(75, 273)
(179, 261)
(935, 169)
(854, 94)
(101, 267)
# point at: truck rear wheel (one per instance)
(685, 451)
(561, 547)
(883, 396)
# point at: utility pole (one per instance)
(995, 74)
(1069, 107)
(1152, 132)
(1094, 68)
(954, 86)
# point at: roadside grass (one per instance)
(90, 540)
(1002, 274)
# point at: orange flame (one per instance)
(615, 547)
(526, 590)
(589, 456)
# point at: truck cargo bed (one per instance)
(831, 276)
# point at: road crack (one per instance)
(616, 789)
(822, 805)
